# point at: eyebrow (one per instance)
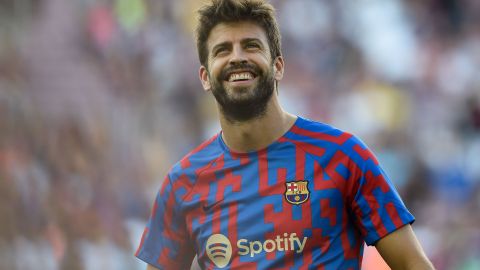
(247, 40)
(221, 45)
(243, 41)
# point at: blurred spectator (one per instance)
(99, 97)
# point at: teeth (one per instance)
(240, 76)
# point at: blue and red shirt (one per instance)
(307, 201)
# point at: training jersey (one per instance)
(307, 201)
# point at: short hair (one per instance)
(227, 11)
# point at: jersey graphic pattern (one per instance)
(232, 210)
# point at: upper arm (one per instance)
(380, 214)
(165, 243)
(376, 206)
(150, 267)
(401, 250)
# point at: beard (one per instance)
(248, 104)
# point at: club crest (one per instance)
(297, 192)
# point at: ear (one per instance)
(279, 66)
(203, 75)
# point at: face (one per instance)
(240, 72)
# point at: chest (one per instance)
(266, 205)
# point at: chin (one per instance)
(241, 95)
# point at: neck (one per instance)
(257, 133)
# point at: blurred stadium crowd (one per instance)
(99, 97)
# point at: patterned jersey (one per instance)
(308, 201)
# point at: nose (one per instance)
(238, 56)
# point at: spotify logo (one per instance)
(219, 250)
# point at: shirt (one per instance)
(307, 201)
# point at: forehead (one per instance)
(235, 32)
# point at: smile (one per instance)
(242, 76)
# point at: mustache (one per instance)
(240, 66)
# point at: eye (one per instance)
(252, 45)
(219, 51)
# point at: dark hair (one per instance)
(225, 11)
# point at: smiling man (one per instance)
(242, 88)
(271, 190)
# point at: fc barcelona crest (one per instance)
(297, 192)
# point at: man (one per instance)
(271, 190)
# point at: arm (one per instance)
(376, 203)
(165, 243)
(401, 250)
(150, 267)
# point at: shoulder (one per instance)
(325, 139)
(200, 158)
(306, 131)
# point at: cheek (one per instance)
(215, 69)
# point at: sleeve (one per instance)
(165, 243)
(376, 205)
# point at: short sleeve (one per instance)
(376, 205)
(165, 243)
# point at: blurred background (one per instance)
(98, 98)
